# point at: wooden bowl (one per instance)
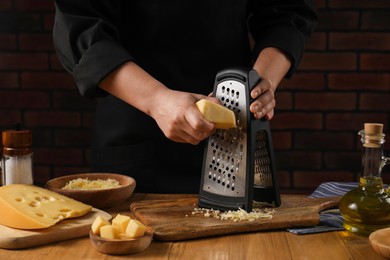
(380, 241)
(101, 198)
(121, 246)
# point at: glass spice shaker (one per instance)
(367, 207)
(17, 157)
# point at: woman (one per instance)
(147, 62)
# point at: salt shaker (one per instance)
(17, 157)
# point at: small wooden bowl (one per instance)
(121, 246)
(102, 198)
(380, 241)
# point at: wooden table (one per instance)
(260, 245)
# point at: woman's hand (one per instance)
(178, 117)
(264, 99)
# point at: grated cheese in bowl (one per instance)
(86, 184)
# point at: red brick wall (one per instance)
(342, 82)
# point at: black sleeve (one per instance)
(284, 24)
(86, 41)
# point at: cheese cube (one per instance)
(121, 222)
(135, 229)
(98, 223)
(110, 232)
(30, 207)
(222, 117)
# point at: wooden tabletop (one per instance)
(259, 245)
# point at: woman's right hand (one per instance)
(178, 117)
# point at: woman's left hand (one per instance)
(264, 102)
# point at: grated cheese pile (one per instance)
(85, 184)
(236, 215)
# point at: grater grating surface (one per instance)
(238, 162)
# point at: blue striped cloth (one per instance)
(330, 220)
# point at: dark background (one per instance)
(342, 82)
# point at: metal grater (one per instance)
(238, 163)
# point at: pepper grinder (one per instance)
(367, 207)
(17, 157)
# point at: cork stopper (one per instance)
(373, 135)
(373, 128)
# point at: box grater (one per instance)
(238, 164)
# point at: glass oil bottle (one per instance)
(367, 207)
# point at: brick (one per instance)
(9, 80)
(52, 119)
(325, 101)
(8, 41)
(33, 61)
(321, 4)
(309, 179)
(13, 22)
(361, 81)
(359, 4)
(283, 100)
(36, 42)
(41, 174)
(328, 61)
(350, 161)
(47, 80)
(297, 120)
(284, 179)
(72, 100)
(304, 81)
(24, 100)
(73, 137)
(317, 41)
(42, 137)
(310, 140)
(282, 140)
(58, 156)
(375, 102)
(9, 117)
(376, 20)
(59, 171)
(375, 62)
(48, 21)
(353, 121)
(36, 5)
(55, 64)
(336, 19)
(359, 41)
(298, 160)
(5, 5)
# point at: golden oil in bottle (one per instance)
(367, 207)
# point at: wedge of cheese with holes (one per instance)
(25, 206)
(222, 117)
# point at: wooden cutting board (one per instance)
(11, 238)
(172, 219)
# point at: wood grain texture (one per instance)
(11, 238)
(172, 219)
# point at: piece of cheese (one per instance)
(121, 222)
(98, 223)
(25, 206)
(109, 231)
(135, 229)
(222, 117)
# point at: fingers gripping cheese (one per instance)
(31, 207)
(221, 116)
